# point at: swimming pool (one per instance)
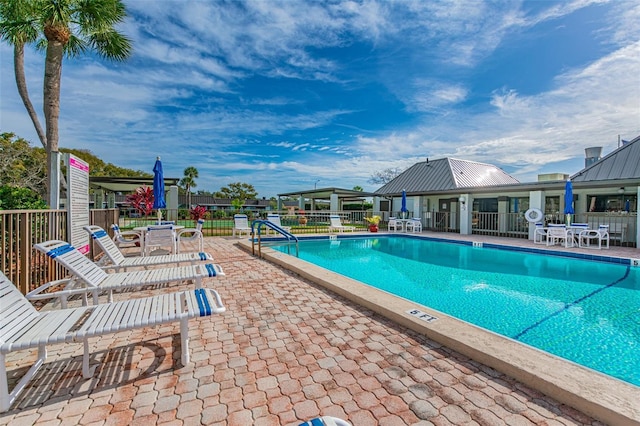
(584, 311)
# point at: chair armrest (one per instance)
(61, 295)
(193, 231)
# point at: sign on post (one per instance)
(77, 202)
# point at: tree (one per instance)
(188, 182)
(239, 190)
(385, 176)
(98, 167)
(69, 27)
(13, 198)
(21, 165)
(358, 188)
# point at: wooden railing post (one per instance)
(24, 251)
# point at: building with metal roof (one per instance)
(621, 165)
(446, 174)
(469, 197)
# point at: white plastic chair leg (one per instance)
(87, 370)
(184, 340)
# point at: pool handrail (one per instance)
(256, 231)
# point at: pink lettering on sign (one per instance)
(84, 249)
(78, 165)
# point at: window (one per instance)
(485, 205)
(612, 203)
(552, 205)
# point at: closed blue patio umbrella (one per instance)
(568, 201)
(404, 209)
(158, 188)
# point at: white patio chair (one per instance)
(23, 327)
(241, 225)
(395, 225)
(601, 234)
(540, 234)
(192, 234)
(574, 230)
(158, 237)
(337, 226)
(275, 219)
(557, 234)
(126, 238)
(414, 225)
(87, 276)
(114, 259)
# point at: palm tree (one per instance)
(188, 182)
(18, 32)
(69, 28)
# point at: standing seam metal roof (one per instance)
(623, 163)
(446, 174)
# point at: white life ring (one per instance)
(533, 215)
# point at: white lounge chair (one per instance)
(192, 234)
(159, 236)
(87, 276)
(23, 327)
(336, 225)
(275, 219)
(241, 225)
(126, 238)
(114, 259)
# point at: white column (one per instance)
(172, 203)
(536, 201)
(465, 205)
(335, 203)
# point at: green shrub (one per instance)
(13, 198)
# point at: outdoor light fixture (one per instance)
(621, 190)
(463, 201)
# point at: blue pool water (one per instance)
(584, 311)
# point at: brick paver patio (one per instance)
(285, 351)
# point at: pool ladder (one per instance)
(256, 230)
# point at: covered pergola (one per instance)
(336, 197)
(110, 186)
(125, 185)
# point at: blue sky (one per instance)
(286, 95)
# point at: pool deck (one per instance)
(288, 349)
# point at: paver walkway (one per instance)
(285, 351)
